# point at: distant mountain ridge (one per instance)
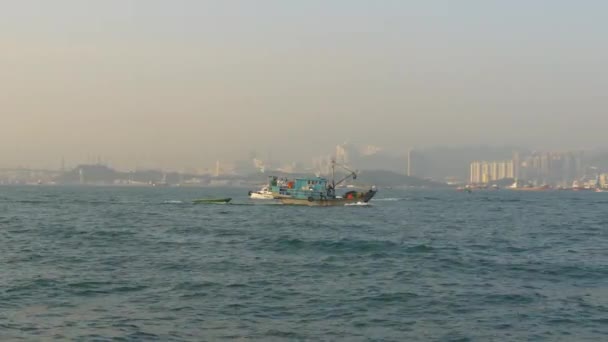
(103, 175)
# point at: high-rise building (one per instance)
(510, 170)
(493, 171)
(505, 169)
(558, 168)
(516, 164)
(475, 172)
(484, 172)
(603, 180)
(342, 155)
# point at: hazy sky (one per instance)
(182, 83)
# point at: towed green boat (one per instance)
(212, 200)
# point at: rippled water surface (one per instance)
(145, 264)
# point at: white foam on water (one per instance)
(358, 204)
(173, 202)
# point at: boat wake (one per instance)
(173, 202)
(358, 204)
(390, 199)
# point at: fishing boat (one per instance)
(212, 200)
(319, 191)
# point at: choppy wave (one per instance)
(103, 264)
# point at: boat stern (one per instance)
(370, 194)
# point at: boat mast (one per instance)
(352, 174)
(333, 173)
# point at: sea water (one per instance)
(97, 263)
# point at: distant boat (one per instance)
(263, 193)
(576, 186)
(516, 186)
(212, 200)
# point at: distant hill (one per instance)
(100, 174)
(90, 174)
(436, 163)
(389, 178)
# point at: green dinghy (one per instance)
(212, 201)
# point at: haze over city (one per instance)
(308, 170)
(180, 84)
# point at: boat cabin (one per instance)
(315, 184)
(303, 188)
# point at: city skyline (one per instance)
(448, 166)
(490, 163)
(59, 161)
(563, 169)
(337, 152)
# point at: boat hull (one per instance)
(319, 203)
(212, 201)
(329, 202)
